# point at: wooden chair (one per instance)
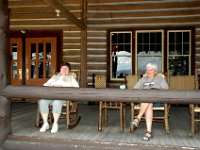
(131, 80)
(187, 83)
(195, 108)
(69, 111)
(100, 82)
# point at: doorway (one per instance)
(33, 59)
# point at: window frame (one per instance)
(180, 55)
(165, 68)
(109, 54)
(162, 48)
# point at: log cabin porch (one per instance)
(23, 130)
(84, 27)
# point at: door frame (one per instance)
(38, 34)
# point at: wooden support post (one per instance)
(5, 125)
(83, 63)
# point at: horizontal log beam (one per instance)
(92, 94)
(65, 12)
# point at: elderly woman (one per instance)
(62, 79)
(150, 81)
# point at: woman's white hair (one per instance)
(154, 66)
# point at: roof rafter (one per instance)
(65, 12)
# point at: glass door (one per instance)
(15, 48)
(40, 59)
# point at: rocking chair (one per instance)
(69, 111)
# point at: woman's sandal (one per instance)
(148, 135)
(135, 124)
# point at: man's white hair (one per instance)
(154, 66)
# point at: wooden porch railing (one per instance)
(108, 94)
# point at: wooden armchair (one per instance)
(69, 111)
(100, 82)
(131, 80)
(187, 82)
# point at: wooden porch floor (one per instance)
(23, 119)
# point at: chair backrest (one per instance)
(75, 74)
(131, 80)
(180, 82)
(100, 81)
(158, 74)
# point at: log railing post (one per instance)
(5, 123)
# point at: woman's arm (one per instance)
(164, 84)
(50, 81)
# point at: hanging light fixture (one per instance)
(57, 12)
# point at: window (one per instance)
(149, 48)
(179, 52)
(170, 49)
(120, 54)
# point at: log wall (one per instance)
(103, 15)
(116, 14)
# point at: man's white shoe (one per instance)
(54, 128)
(44, 127)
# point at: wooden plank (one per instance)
(95, 40)
(145, 21)
(94, 52)
(68, 40)
(97, 46)
(145, 6)
(71, 52)
(72, 59)
(71, 34)
(72, 46)
(156, 13)
(97, 59)
(87, 130)
(97, 66)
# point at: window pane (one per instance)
(186, 37)
(48, 69)
(14, 70)
(149, 49)
(145, 37)
(178, 37)
(14, 51)
(186, 49)
(178, 49)
(127, 38)
(33, 70)
(41, 51)
(124, 64)
(179, 65)
(179, 52)
(143, 61)
(114, 37)
(120, 50)
(48, 51)
(40, 69)
(128, 48)
(120, 38)
(139, 38)
(171, 37)
(158, 37)
(33, 51)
